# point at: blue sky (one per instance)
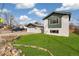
(31, 12)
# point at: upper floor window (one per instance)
(54, 20)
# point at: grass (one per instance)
(59, 46)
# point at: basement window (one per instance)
(54, 31)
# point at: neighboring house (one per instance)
(57, 23)
(34, 28)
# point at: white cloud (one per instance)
(24, 5)
(32, 21)
(24, 17)
(38, 12)
(5, 11)
(68, 6)
(25, 20)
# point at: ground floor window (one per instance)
(54, 31)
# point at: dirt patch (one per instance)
(7, 38)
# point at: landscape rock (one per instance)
(6, 48)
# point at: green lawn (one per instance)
(59, 46)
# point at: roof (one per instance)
(30, 24)
(59, 12)
(35, 25)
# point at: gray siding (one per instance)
(58, 25)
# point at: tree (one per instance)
(1, 20)
(72, 27)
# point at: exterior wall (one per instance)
(63, 31)
(34, 30)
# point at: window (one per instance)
(54, 20)
(54, 31)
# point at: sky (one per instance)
(34, 12)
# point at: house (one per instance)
(34, 28)
(57, 23)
